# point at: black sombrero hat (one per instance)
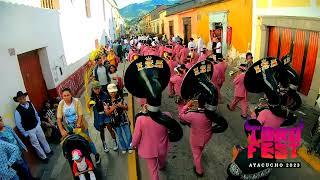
(197, 83)
(147, 77)
(197, 76)
(19, 94)
(262, 70)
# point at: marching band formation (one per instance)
(193, 76)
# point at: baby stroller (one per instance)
(72, 142)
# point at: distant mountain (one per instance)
(138, 9)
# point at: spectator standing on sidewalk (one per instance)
(249, 59)
(9, 154)
(101, 121)
(315, 132)
(28, 122)
(115, 108)
(191, 44)
(200, 44)
(218, 49)
(70, 110)
(8, 135)
(101, 74)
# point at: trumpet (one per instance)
(234, 73)
(191, 55)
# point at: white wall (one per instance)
(24, 29)
(34, 3)
(64, 38)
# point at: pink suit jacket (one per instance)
(151, 52)
(161, 51)
(221, 68)
(215, 75)
(268, 119)
(150, 137)
(202, 57)
(172, 64)
(176, 52)
(142, 49)
(239, 88)
(201, 126)
(176, 80)
(183, 55)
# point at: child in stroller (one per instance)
(72, 145)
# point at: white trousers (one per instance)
(37, 137)
(92, 176)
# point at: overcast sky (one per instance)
(123, 3)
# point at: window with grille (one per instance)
(50, 4)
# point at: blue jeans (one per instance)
(124, 130)
(22, 169)
(15, 178)
(91, 144)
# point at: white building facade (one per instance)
(45, 45)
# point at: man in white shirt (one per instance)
(218, 49)
(191, 44)
(200, 44)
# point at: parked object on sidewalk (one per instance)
(77, 142)
(28, 123)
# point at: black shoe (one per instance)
(50, 153)
(228, 106)
(244, 117)
(45, 161)
(98, 159)
(195, 171)
(163, 168)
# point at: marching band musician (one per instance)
(200, 133)
(221, 68)
(200, 114)
(176, 50)
(240, 92)
(203, 55)
(172, 65)
(183, 54)
(175, 83)
(146, 78)
(152, 141)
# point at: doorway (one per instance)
(171, 29)
(301, 45)
(187, 29)
(34, 83)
